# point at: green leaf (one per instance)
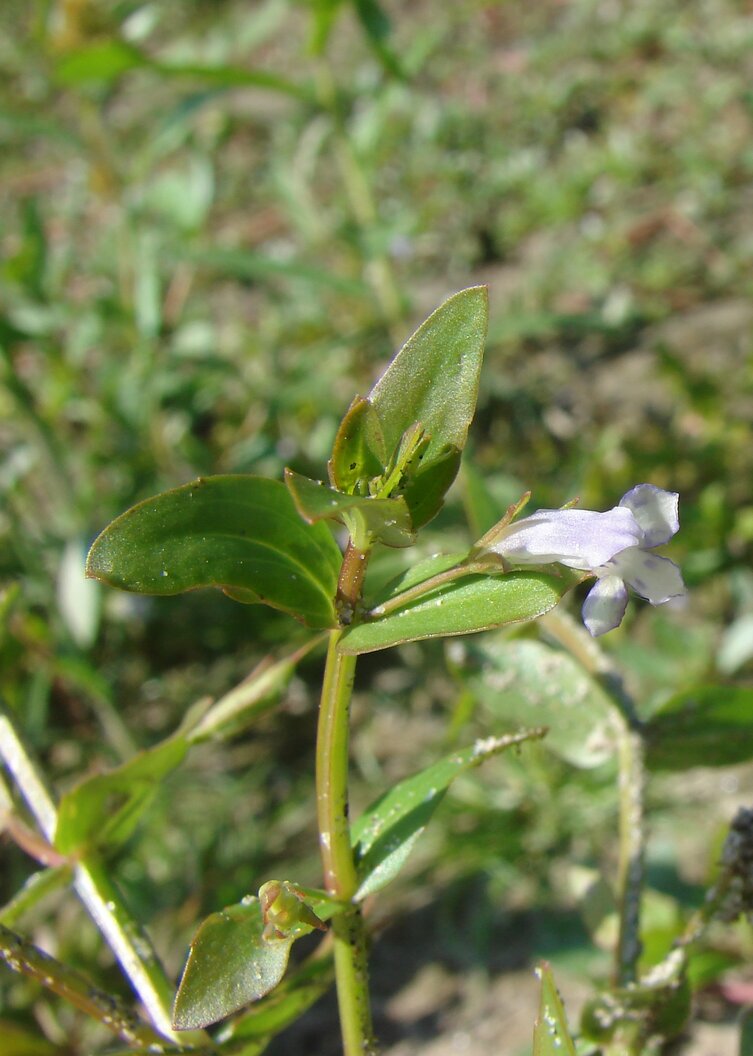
(551, 1034)
(359, 452)
(103, 811)
(385, 519)
(474, 603)
(106, 61)
(385, 833)
(519, 679)
(704, 726)
(376, 26)
(295, 994)
(425, 489)
(434, 378)
(229, 965)
(240, 533)
(103, 61)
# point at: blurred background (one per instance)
(219, 220)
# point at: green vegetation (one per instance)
(220, 220)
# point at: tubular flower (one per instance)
(616, 546)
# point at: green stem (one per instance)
(630, 758)
(340, 876)
(630, 861)
(123, 933)
(28, 959)
(466, 568)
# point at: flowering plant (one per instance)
(616, 546)
(268, 542)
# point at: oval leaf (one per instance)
(475, 603)
(434, 377)
(230, 964)
(518, 679)
(706, 726)
(240, 533)
(385, 833)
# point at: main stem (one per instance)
(340, 877)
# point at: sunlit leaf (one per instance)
(434, 378)
(384, 835)
(386, 520)
(474, 603)
(230, 964)
(515, 680)
(103, 811)
(551, 1034)
(704, 726)
(359, 452)
(240, 533)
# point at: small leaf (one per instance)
(551, 1034)
(517, 679)
(425, 489)
(230, 964)
(705, 726)
(240, 533)
(103, 811)
(387, 520)
(434, 378)
(359, 452)
(385, 833)
(474, 603)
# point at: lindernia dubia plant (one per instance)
(303, 546)
(396, 453)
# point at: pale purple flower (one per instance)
(616, 546)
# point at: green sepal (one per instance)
(229, 965)
(359, 452)
(103, 811)
(240, 533)
(386, 520)
(285, 911)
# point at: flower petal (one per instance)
(655, 510)
(605, 605)
(578, 538)
(655, 578)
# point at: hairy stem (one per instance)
(340, 876)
